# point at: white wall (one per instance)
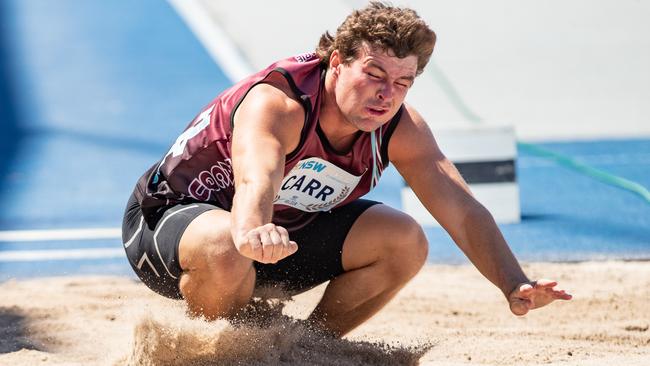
(555, 69)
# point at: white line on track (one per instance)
(62, 234)
(62, 254)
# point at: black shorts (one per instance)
(153, 251)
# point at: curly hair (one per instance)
(384, 26)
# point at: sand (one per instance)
(448, 315)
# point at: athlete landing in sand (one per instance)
(264, 186)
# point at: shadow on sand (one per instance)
(15, 333)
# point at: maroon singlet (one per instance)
(317, 178)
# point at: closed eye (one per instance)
(373, 76)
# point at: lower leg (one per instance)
(217, 281)
(353, 298)
(384, 249)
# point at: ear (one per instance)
(335, 62)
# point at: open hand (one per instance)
(266, 244)
(532, 295)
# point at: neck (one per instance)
(339, 131)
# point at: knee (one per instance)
(407, 251)
(221, 257)
(209, 250)
(214, 267)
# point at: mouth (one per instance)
(376, 111)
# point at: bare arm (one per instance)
(267, 126)
(444, 193)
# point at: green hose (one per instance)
(454, 97)
(587, 170)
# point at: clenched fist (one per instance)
(266, 244)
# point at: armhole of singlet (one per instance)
(386, 138)
(300, 96)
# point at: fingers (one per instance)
(279, 245)
(293, 247)
(561, 295)
(267, 247)
(288, 247)
(282, 240)
(545, 283)
(251, 246)
(284, 234)
(536, 294)
(549, 287)
(526, 289)
(542, 286)
(268, 244)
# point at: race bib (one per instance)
(315, 185)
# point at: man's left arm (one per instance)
(442, 190)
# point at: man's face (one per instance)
(370, 89)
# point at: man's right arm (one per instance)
(267, 126)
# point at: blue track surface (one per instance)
(97, 92)
(567, 216)
(94, 92)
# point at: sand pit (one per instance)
(449, 315)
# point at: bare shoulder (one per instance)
(269, 108)
(274, 98)
(412, 139)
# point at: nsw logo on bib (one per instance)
(315, 185)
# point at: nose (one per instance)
(385, 92)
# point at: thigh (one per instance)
(320, 244)
(152, 251)
(385, 233)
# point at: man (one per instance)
(264, 186)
